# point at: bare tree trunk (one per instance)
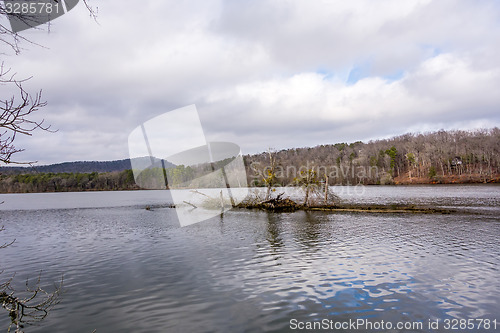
(326, 189)
(271, 178)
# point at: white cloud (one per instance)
(442, 90)
(263, 73)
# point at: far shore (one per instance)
(495, 181)
(447, 179)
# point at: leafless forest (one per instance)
(438, 157)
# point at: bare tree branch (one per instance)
(16, 118)
(15, 115)
(33, 307)
(93, 11)
(4, 245)
(11, 38)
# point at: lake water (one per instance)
(128, 269)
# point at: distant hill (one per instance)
(79, 167)
(413, 158)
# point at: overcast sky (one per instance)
(262, 73)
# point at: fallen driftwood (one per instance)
(190, 204)
(273, 204)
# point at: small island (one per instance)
(280, 204)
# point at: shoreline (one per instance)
(399, 184)
(448, 179)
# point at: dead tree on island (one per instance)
(270, 178)
(309, 182)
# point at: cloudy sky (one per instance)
(262, 73)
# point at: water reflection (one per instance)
(130, 269)
(274, 231)
(309, 233)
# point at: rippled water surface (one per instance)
(128, 269)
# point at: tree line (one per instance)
(67, 182)
(436, 157)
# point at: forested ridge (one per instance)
(71, 167)
(437, 157)
(67, 182)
